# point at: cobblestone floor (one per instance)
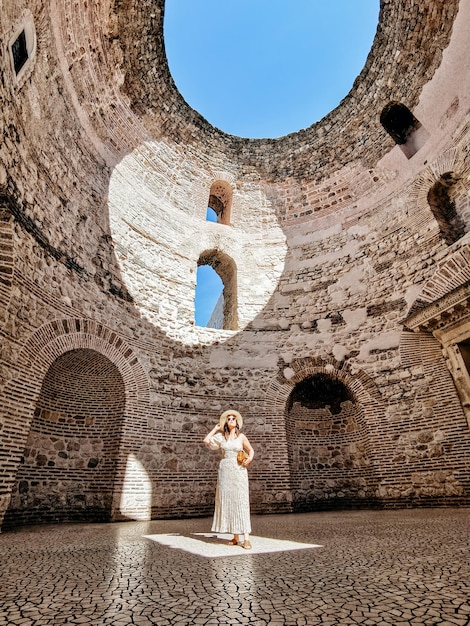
(361, 567)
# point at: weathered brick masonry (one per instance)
(345, 259)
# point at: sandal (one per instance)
(247, 545)
(233, 542)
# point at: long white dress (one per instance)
(232, 497)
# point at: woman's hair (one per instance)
(227, 429)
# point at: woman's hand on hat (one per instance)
(215, 430)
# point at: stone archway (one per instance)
(326, 411)
(88, 349)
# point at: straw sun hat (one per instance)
(236, 414)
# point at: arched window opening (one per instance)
(443, 207)
(211, 215)
(223, 291)
(208, 303)
(327, 445)
(404, 128)
(220, 201)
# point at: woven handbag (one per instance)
(241, 456)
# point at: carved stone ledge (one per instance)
(453, 308)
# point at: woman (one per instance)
(232, 500)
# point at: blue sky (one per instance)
(265, 68)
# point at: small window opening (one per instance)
(216, 291)
(404, 128)
(442, 204)
(211, 215)
(22, 48)
(220, 201)
(19, 52)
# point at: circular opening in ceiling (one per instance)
(267, 68)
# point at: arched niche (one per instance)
(442, 202)
(327, 444)
(39, 360)
(323, 403)
(68, 468)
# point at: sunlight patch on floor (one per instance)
(213, 545)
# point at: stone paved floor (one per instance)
(361, 567)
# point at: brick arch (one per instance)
(53, 339)
(40, 351)
(330, 453)
(360, 384)
(68, 468)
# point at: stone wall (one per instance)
(107, 385)
(328, 456)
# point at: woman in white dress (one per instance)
(232, 498)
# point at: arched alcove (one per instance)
(441, 200)
(69, 462)
(327, 444)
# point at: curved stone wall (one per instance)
(105, 177)
(393, 71)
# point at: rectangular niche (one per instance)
(22, 48)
